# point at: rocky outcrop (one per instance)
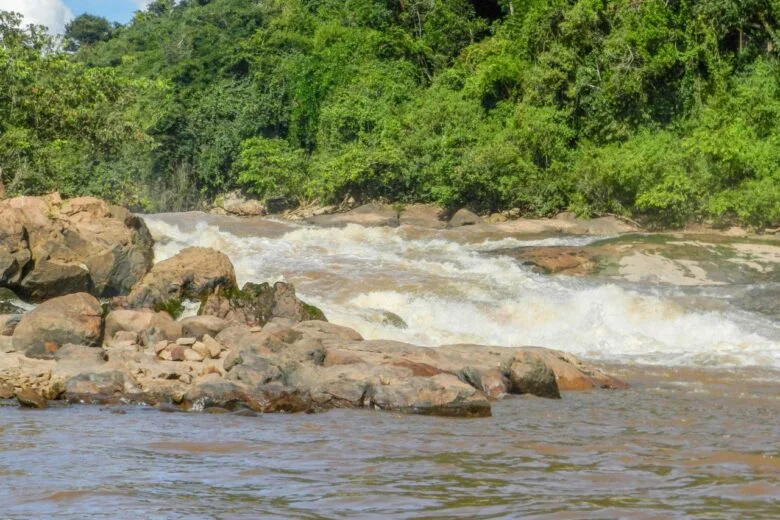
(72, 319)
(259, 349)
(257, 304)
(464, 217)
(194, 273)
(308, 366)
(235, 203)
(50, 247)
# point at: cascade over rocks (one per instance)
(50, 247)
(259, 349)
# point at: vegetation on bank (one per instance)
(665, 110)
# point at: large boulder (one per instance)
(76, 319)
(257, 304)
(194, 273)
(49, 248)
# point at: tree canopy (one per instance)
(666, 110)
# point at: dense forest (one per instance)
(664, 110)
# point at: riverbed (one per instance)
(696, 435)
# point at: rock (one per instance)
(198, 326)
(528, 374)
(213, 347)
(8, 323)
(6, 344)
(151, 326)
(464, 217)
(201, 349)
(257, 304)
(30, 399)
(10, 302)
(75, 318)
(95, 388)
(186, 342)
(369, 215)
(422, 215)
(6, 390)
(324, 330)
(194, 273)
(235, 203)
(126, 336)
(83, 356)
(51, 248)
(177, 352)
(192, 355)
(160, 346)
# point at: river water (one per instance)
(697, 435)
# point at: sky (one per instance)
(56, 13)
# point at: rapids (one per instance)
(696, 435)
(448, 289)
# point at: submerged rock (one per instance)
(30, 399)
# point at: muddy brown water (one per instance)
(696, 436)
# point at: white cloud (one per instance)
(52, 13)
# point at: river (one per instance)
(696, 435)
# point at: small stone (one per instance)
(256, 329)
(213, 346)
(160, 346)
(151, 336)
(186, 342)
(165, 354)
(201, 349)
(185, 378)
(6, 391)
(30, 399)
(177, 352)
(211, 369)
(191, 355)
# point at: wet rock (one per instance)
(257, 304)
(441, 395)
(198, 326)
(95, 388)
(422, 215)
(194, 273)
(235, 203)
(464, 217)
(50, 248)
(9, 302)
(528, 374)
(6, 390)
(30, 399)
(368, 215)
(75, 318)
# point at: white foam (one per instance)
(453, 293)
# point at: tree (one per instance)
(87, 29)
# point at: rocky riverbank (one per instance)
(181, 335)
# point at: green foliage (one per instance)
(667, 111)
(270, 167)
(87, 29)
